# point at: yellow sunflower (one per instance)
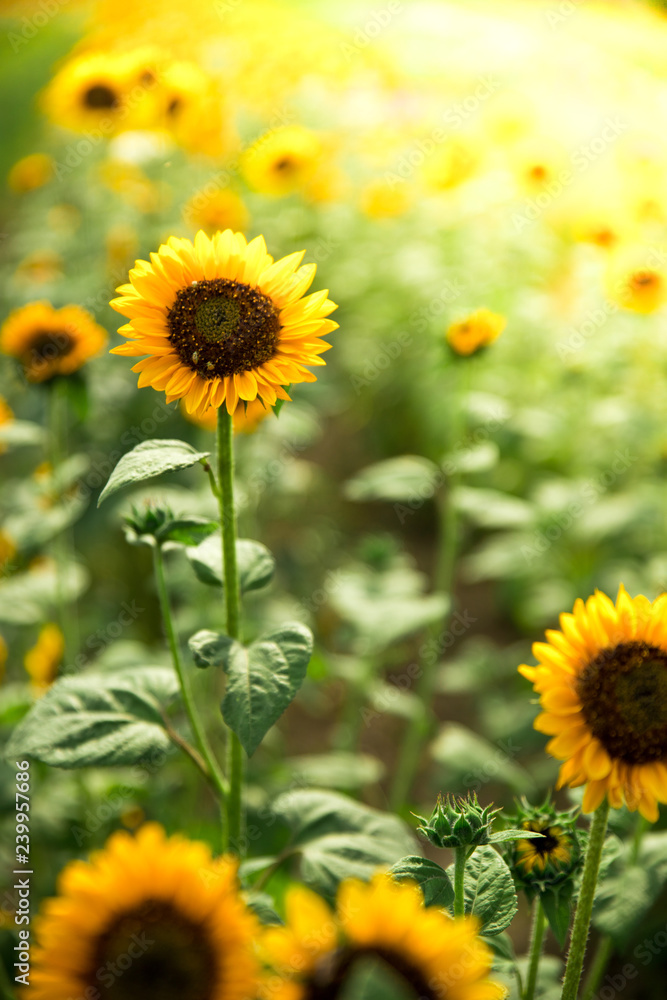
(602, 682)
(30, 172)
(637, 280)
(101, 90)
(434, 956)
(49, 341)
(553, 849)
(221, 322)
(6, 417)
(477, 330)
(146, 916)
(283, 161)
(44, 659)
(214, 210)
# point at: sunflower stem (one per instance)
(460, 856)
(582, 916)
(201, 739)
(233, 607)
(62, 543)
(535, 950)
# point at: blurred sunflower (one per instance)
(382, 199)
(190, 105)
(30, 172)
(6, 417)
(92, 90)
(163, 901)
(636, 280)
(602, 682)
(282, 161)
(424, 949)
(221, 322)
(477, 330)
(44, 659)
(49, 341)
(221, 209)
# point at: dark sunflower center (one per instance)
(174, 106)
(223, 327)
(154, 951)
(623, 694)
(49, 345)
(644, 279)
(284, 164)
(549, 840)
(339, 977)
(100, 96)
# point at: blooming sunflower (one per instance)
(49, 341)
(220, 321)
(426, 951)
(637, 281)
(146, 916)
(477, 330)
(602, 682)
(44, 659)
(214, 210)
(283, 161)
(93, 91)
(30, 172)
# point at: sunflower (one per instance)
(49, 341)
(146, 916)
(221, 322)
(637, 280)
(283, 161)
(6, 417)
(96, 90)
(30, 172)
(477, 330)
(602, 682)
(44, 659)
(432, 955)
(246, 417)
(382, 199)
(552, 850)
(219, 209)
(190, 105)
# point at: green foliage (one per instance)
(149, 459)
(433, 880)
(334, 837)
(403, 479)
(98, 719)
(489, 890)
(630, 889)
(255, 563)
(28, 598)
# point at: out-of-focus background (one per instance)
(433, 159)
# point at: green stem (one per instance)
(460, 856)
(201, 739)
(605, 948)
(236, 759)
(582, 917)
(535, 952)
(62, 543)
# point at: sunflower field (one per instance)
(333, 547)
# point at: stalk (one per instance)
(535, 952)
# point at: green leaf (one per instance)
(339, 770)
(29, 598)
(501, 836)
(557, 908)
(148, 459)
(409, 478)
(186, 530)
(255, 563)
(97, 719)
(262, 906)
(476, 458)
(17, 433)
(628, 892)
(476, 760)
(489, 890)
(263, 678)
(433, 880)
(335, 837)
(493, 509)
(211, 649)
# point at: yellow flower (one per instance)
(635, 280)
(382, 199)
(282, 161)
(220, 321)
(452, 163)
(44, 659)
(41, 267)
(221, 209)
(477, 330)
(4, 653)
(30, 172)
(190, 105)
(316, 951)
(246, 417)
(602, 682)
(101, 90)
(553, 849)
(7, 550)
(162, 910)
(6, 417)
(537, 163)
(49, 341)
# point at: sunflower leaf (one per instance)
(406, 479)
(489, 890)
(433, 880)
(501, 836)
(557, 906)
(262, 680)
(97, 719)
(148, 459)
(255, 563)
(211, 649)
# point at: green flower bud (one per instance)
(545, 862)
(459, 822)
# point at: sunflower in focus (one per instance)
(167, 903)
(50, 342)
(384, 924)
(221, 322)
(602, 681)
(477, 330)
(100, 90)
(44, 659)
(283, 161)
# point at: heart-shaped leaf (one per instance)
(255, 563)
(148, 459)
